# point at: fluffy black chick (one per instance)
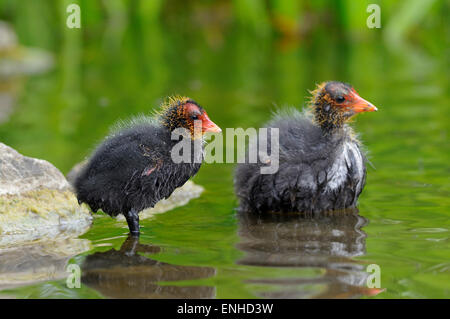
(133, 168)
(321, 162)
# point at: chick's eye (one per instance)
(340, 99)
(194, 117)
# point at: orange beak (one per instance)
(208, 125)
(358, 105)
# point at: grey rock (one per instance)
(19, 174)
(36, 203)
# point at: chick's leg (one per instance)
(132, 218)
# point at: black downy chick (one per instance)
(321, 162)
(133, 169)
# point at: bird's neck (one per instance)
(328, 118)
(172, 118)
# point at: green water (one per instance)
(205, 249)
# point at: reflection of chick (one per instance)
(327, 242)
(125, 274)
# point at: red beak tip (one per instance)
(213, 129)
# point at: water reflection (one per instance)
(127, 274)
(38, 261)
(324, 243)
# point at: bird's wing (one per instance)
(155, 161)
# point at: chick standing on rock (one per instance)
(133, 169)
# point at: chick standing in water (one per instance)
(133, 169)
(321, 165)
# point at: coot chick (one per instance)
(321, 162)
(133, 168)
